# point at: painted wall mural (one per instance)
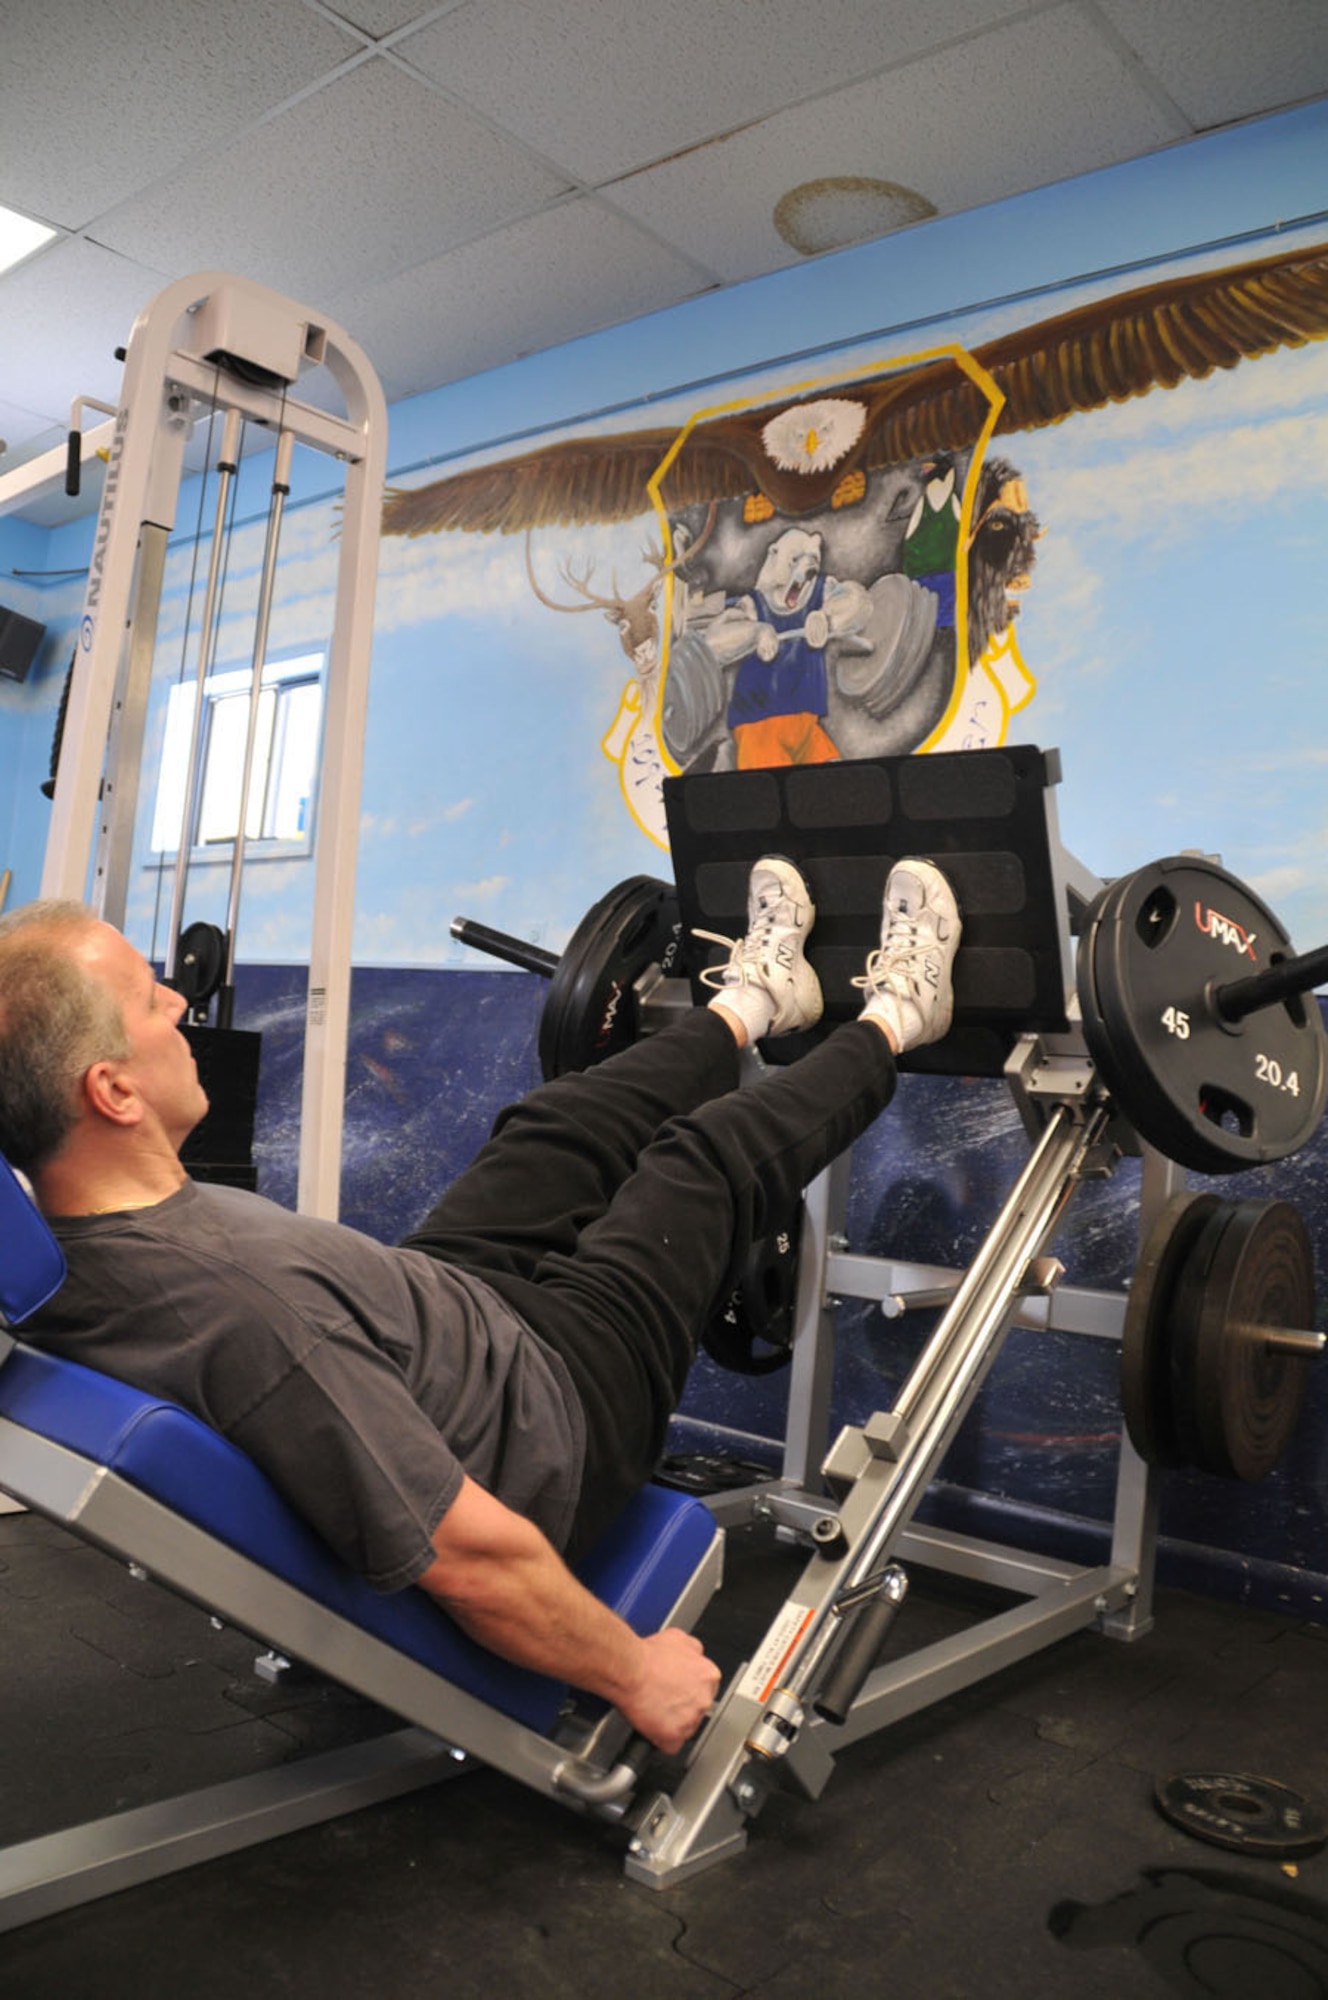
(836, 571)
(1163, 553)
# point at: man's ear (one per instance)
(110, 1095)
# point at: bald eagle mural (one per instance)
(837, 572)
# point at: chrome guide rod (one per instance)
(117, 799)
(936, 1395)
(767, 1711)
(227, 466)
(266, 587)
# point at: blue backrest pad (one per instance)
(32, 1264)
(639, 1567)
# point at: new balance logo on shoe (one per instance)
(767, 980)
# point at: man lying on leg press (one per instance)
(466, 1410)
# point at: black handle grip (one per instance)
(74, 465)
(498, 944)
(868, 1632)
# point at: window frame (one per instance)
(282, 675)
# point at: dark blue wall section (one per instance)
(435, 1055)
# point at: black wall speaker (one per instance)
(19, 640)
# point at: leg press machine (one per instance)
(148, 1483)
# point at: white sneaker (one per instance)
(767, 982)
(909, 977)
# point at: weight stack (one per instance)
(222, 1147)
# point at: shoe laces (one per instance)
(890, 962)
(746, 950)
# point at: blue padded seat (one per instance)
(639, 1568)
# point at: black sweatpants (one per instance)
(614, 1208)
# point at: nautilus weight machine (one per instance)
(1183, 1026)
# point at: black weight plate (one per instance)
(200, 962)
(753, 1333)
(591, 1009)
(710, 1472)
(588, 1010)
(730, 1338)
(1146, 1397)
(1099, 913)
(1214, 1096)
(1187, 1297)
(1248, 1815)
(1247, 1402)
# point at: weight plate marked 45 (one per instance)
(1214, 1095)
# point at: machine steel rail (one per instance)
(763, 1725)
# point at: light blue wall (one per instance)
(1175, 631)
(1151, 635)
(25, 707)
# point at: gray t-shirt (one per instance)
(364, 1380)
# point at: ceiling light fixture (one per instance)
(830, 214)
(19, 237)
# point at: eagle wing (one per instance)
(1105, 352)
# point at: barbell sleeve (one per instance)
(530, 957)
(1301, 1343)
(1276, 982)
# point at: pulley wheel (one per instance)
(1146, 1393)
(1217, 1096)
(591, 1011)
(1254, 1816)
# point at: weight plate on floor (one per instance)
(1248, 1815)
(710, 1472)
(1146, 1389)
(1213, 1095)
(591, 1011)
(1247, 1402)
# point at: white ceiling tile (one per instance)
(605, 89)
(383, 17)
(1225, 59)
(371, 174)
(101, 97)
(260, 136)
(1014, 109)
(23, 433)
(566, 272)
(51, 347)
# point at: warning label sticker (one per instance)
(766, 1668)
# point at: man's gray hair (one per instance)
(55, 1022)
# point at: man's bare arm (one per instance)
(509, 1589)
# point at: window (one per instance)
(283, 771)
